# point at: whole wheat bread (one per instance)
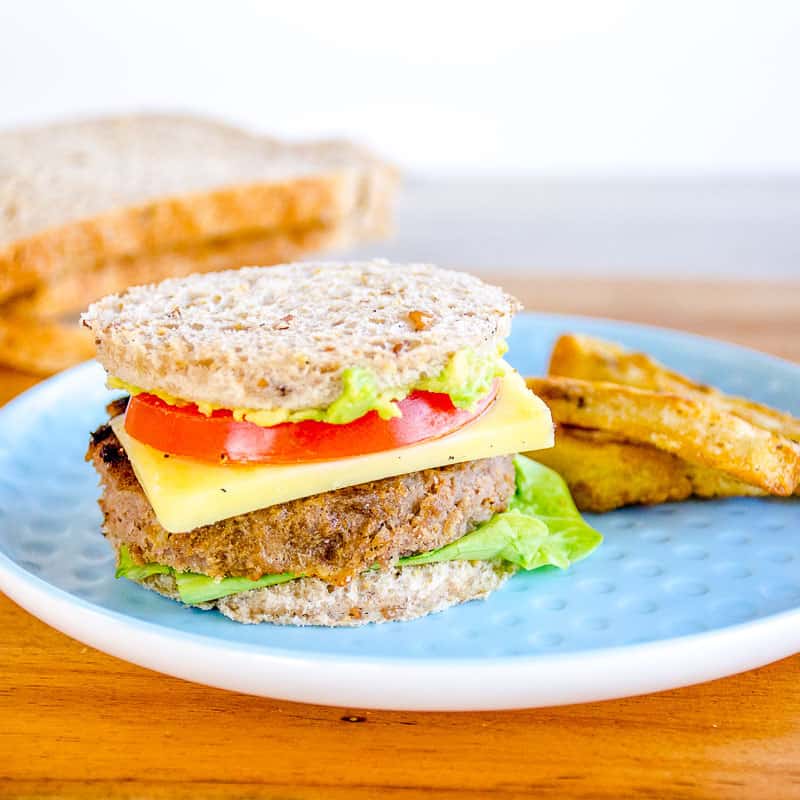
(281, 337)
(396, 594)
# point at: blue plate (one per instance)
(677, 593)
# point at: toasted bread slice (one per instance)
(77, 195)
(71, 292)
(281, 337)
(42, 347)
(605, 472)
(587, 358)
(693, 429)
(46, 344)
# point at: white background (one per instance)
(616, 135)
(560, 86)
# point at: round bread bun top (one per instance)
(280, 337)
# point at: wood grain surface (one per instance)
(77, 723)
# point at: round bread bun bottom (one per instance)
(401, 593)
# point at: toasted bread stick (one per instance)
(605, 472)
(587, 358)
(693, 429)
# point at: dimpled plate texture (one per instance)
(676, 594)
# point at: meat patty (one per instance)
(333, 536)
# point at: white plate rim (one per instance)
(374, 682)
(483, 684)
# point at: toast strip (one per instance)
(605, 472)
(693, 429)
(587, 358)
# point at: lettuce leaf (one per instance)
(510, 536)
(194, 588)
(542, 493)
(541, 527)
(128, 568)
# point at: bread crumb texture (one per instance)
(280, 337)
(396, 594)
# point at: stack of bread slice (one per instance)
(88, 208)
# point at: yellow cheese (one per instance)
(186, 494)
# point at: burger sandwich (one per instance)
(327, 444)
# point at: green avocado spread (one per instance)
(467, 377)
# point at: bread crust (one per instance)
(75, 195)
(282, 337)
(42, 346)
(33, 338)
(71, 292)
(391, 595)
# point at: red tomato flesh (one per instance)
(184, 431)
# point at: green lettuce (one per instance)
(509, 536)
(541, 527)
(128, 568)
(194, 588)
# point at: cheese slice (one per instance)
(186, 493)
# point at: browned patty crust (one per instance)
(333, 536)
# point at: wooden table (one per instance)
(77, 723)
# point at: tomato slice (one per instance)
(184, 431)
